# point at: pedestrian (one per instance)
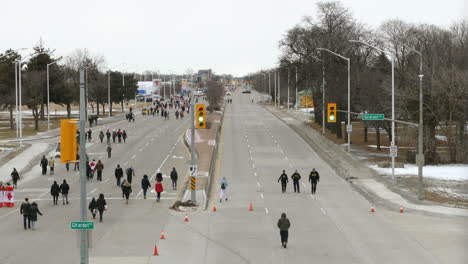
(77, 163)
(283, 225)
(174, 178)
(24, 211)
(99, 169)
(159, 176)
(124, 135)
(114, 135)
(296, 177)
(44, 164)
(118, 174)
(284, 181)
(127, 189)
(130, 173)
(93, 207)
(89, 134)
(119, 135)
(33, 210)
(51, 165)
(109, 151)
(223, 190)
(89, 171)
(92, 165)
(314, 178)
(159, 189)
(15, 177)
(101, 136)
(108, 136)
(64, 189)
(177, 114)
(145, 184)
(67, 166)
(101, 206)
(55, 191)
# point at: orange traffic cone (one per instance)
(251, 207)
(155, 251)
(214, 208)
(401, 209)
(372, 209)
(162, 236)
(186, 218)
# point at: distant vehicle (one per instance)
(247, 92)
(140, 98)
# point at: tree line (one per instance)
(444, 66)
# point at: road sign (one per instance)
(193, 183)
(193, 170)
(393, 151)
(373, 116)
(83, 225)
(349, 128)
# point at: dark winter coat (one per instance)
(24, 209)
(314, 176)
(118, 172)
(33, 210)
(44, 162)
(283, 178)
(108, 135)
(174, 175)
(55, 189)
(126, 189)
(283, 223)
(64, 188)
(92, 205)
(145, 183)
(99, 166)
(296, 176)
(15, 176)
(101, 204)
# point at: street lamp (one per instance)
(393, 100)
(349, 127)
(48, 93)
(296, 88)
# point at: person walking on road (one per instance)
(93, 207)
(314, 178)
(223, 190)
(145, 184)
(77, 163)
(174, 178)
(159, 189)
(296, 177)
(119, 135)
(101, 206)
(99, 169)
(51, 165)
(284, 181)
(283, 225)
(159, 176)
(92, 165)
(55, 191)
(44, 164)
(33, 210)
(108, 136)
(109, 151)
(114, 135)
(130, 173)
(89, 135)
(118, 174)
(126, 189)
(64, 189)
(24, 211)
(124, 135)
(15, 177)
(101, 136)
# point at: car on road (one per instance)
(247, 92)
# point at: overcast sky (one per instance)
(228, 36)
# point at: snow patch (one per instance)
(453, 172)
(441, 138)
(21, 161)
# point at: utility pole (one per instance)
(192, 141)
(84, 258)
(288, 90)
(296, 91)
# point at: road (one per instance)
(128, 231)
(332, 226)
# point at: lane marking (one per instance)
(261, 195)
(266, 210)
(133, 156)
(253, 166)
(255, 173)
(125, 164)
(323, 211)
(140, 150)
(258, 184)
(107, 180)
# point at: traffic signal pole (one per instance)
(84, 258)
(192, 140)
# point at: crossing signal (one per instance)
(200, 116)
(331, 113)
(68, 146)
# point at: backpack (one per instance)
(223, 186)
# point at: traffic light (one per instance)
(68, 145)
(331, 113)
(200, 116)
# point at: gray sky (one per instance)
(228, 36)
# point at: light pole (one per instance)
(108, 87)
(288, 90)
(48, 93)
(296, 88)
(269, 88)
(349, 127)
(279, 88)
(275, 86)
(393, 100)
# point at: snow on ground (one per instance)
(387, 147)
(21, 161)
(441, 138)
(443, 172)
(449, 192)
(307, 110)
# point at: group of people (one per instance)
(314, 178)
(44, 163)
(93, 167)
(56, 190)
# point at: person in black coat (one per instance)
(159, 176)
(284, 181)
(296, 177)
(64, 189)
(33, 210)
(24, 210)
(44, 163)
(130, 173)
(93, 207)
(314, 178)
(15, 177)
(174, 178)
(145, 184)
(118, 174)
(101, 205)
(55, 191)
(126, 190)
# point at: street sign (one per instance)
(373, 116)
(393, 151)
(193, 170)
(349, 128)
(83, 225)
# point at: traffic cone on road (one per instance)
(186, 218)
(251, 207)
(162, 236)
(401, 209)
(372, 210)
(214, 208)
(155, 251)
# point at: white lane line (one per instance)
(251, 158)
(133, 157)
(140, 150)
(248, 145)
(282, 151)
(139, 193)
(255, 173)
(323, 211)
(93, 190)
(258, 184)
(107, 180)
(261, 195)
(266, 210)
(286, 158)
(253, 166)
(125, 164)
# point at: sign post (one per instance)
(372, 117)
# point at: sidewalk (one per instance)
(361, 177)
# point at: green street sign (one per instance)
(373, 116)
(85, 225)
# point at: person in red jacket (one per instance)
(159, 189)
